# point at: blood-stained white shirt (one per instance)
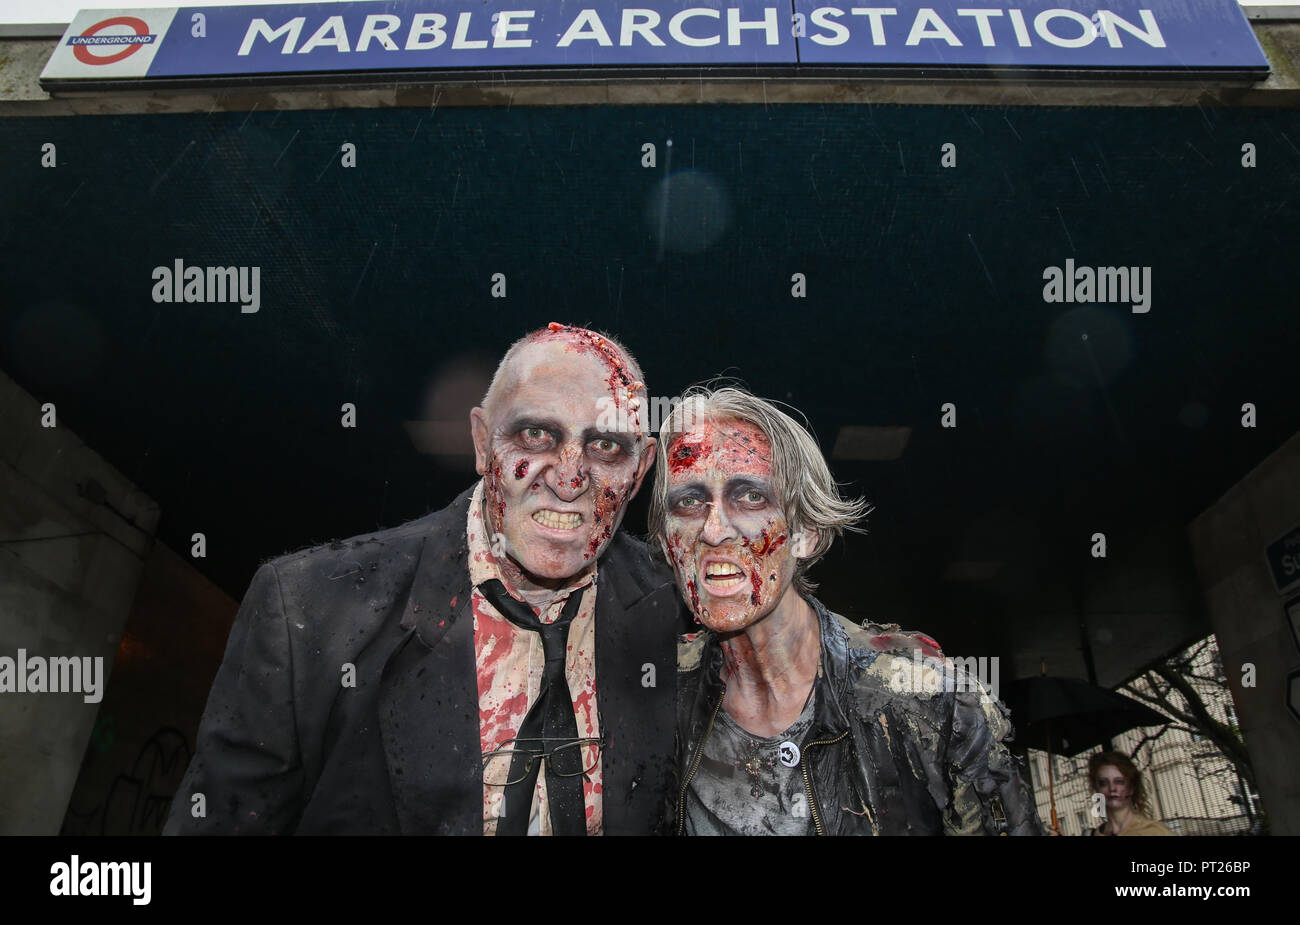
(510, 664)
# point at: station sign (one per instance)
(310, 42)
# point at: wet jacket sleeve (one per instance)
(989, 795)
(246, 763)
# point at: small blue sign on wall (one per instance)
(1283, 557)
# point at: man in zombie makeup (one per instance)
(793, 720)
(502, 666)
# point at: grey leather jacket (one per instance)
(893, 750)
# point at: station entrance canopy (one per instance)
(316, 42)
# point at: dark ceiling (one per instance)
(924, 286)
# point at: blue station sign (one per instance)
(305, 41)
(1283, 556)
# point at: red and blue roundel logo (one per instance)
(129, 44)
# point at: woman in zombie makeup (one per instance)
(1128, 811)
(792, 719)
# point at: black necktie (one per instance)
(550, 718)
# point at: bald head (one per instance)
(541, 346)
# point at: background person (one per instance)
(1128, 812)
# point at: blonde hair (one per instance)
(806, 493)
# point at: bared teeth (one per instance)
(557, 521)
(722, 570)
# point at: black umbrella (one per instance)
(1067, 716)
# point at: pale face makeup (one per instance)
(556, 484)
(1114, 787)
(727, 537)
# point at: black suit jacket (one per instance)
(284, 746)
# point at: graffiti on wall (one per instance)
(137, 801)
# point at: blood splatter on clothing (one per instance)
(510, 663)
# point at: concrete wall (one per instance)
(144, 737)
(69, 566)
(1228, 543)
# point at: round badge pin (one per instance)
(788, 752)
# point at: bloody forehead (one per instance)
(726, 445)
(589, 343)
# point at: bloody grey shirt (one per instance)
(748, 784)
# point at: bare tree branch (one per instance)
(1198, 715)
(1149, 737)
(1162, 703)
